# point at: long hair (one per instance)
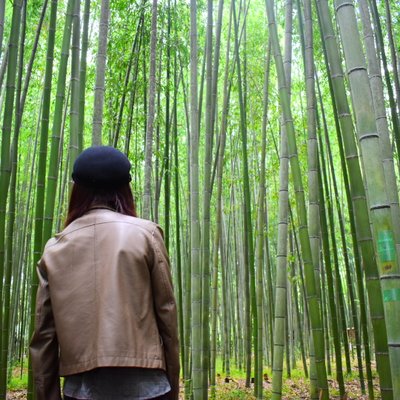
(84, 198)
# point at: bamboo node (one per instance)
(369, 135)
(379, 206)
(391, 276)
(376, 318)
(355, 69)
(351, 156)
(344, 4)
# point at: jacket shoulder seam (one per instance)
(62, 235)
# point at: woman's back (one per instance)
(99, 271)
(105, 297)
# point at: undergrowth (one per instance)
(233, 387)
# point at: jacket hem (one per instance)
(110, 361)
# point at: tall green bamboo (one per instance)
(5, 163)
(356, 250)
(325, 199)
(297, 307)
(150, 116)
(180, 275)
(312, 297)
(100, 73)
(381, 218)
(227, 295)
(338, 280)
(157, 173)
(196, 287)
(214, 94)
(209, 133)
(6, 326)
(2, 12)
(28, 74)
(187, 272)
(261, 232)
(75, 88)
(377, 93)
(166, 165)
(288, 327)
(382, 52)
(218, 240)
(41, 173)
(22, 248)
(214, 300)
(8, 262)
(393, 51)
(346, 259)
(3, 67)
(280, 313)
(57, 128)
(242, 287)
(359, 203)
(252, 325)
(133, 61)
(83, 72)
(313, 170)
(269, 309)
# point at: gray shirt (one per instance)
(116, 383)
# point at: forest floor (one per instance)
(294, 388)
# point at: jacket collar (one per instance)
(101, 207)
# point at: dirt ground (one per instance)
(231, 389)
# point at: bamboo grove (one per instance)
(264, 138)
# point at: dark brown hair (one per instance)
(84, 198)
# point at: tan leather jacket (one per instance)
(105, 298)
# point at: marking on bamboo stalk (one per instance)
(390, 295)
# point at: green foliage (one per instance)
(18, 382)
(19, 378)
(235, 394)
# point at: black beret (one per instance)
(101, 167)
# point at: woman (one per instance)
(105, 310)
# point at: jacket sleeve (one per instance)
(165, 308)
(43, 348)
